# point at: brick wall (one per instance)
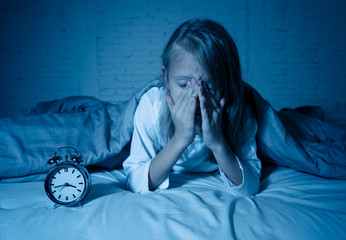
(130, 42)
(293, 52)
(305, 55)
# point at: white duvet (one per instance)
(290, 205)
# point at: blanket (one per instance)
(102, 131)
(299, 141)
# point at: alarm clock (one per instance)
(68, 182)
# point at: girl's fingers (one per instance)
(220, 109)
(186, 93)
(217, 106)
(213, 108)
(182, 96)
(204, 113)
(186, 101)
(222, 103)
(202, 102)
(186, 107)
(195, 89)
(192, 109)
(209, 104)
(201, 96)
(190, 89)
(212, 98)
(170, 102)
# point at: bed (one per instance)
(303, 200)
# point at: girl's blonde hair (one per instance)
(215, 50)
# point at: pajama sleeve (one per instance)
(249, 163)
(144, 145)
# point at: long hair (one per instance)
(215, 51)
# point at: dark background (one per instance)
(292, 52)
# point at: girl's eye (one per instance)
(182, 84)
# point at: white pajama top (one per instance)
(146, 144)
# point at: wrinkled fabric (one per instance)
(102, 132)
(290, 205)
(299, 141)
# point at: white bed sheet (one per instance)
(290, 205)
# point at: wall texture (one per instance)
(292, 52)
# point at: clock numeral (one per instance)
(59, 196)
(59, 172)
(52, 184)
(54, 191)
(73, 171)
(54, 177)
(65, 169)
(74, 196)
(79, 190)
(80, 183)
(66, 198)
(78, 176)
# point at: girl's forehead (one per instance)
(185, 65)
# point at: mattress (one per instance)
(289, 205)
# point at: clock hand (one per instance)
(62, 186)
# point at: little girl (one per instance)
(199, 121)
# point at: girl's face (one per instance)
(182, 69)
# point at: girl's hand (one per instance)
(211, 111)
(183, 113)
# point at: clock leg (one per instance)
(56, 206)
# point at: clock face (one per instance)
(66, 184)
